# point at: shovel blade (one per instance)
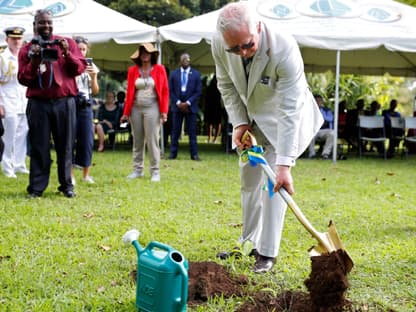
(330, 242)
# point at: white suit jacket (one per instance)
(12, 93)
(276, 96)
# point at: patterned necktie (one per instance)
(247, 64)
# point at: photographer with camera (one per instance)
(84, 140)
(48, 66)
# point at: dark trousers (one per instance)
(84, 142)
(191, 124)
(46, 118)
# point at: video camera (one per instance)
(46, 54)
(81, 100)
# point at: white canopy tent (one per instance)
(374, 36)
(114, 35)
(370, 37)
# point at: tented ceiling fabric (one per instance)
(374, 36)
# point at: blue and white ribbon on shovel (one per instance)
(254, 156)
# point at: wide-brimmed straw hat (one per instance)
(149, 47)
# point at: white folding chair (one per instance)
(409, 124)
(371, 129)
(397, 130)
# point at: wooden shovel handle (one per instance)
(296, 210)
(289, 200)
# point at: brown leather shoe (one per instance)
(263, 264)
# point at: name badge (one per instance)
(265, 80)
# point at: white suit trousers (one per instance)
(263, 216)
(325, 135)
(15, 143)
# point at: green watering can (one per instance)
(162, 276)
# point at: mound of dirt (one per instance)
(208, 279)
(327, 285)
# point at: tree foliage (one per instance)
(163, 12)
(154, 13)
(353, 87)
(408, 2)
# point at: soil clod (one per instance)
(327, 283)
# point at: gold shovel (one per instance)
(327, 242)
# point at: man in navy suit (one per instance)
(185, 89)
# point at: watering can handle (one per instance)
(183, 271)
(156, 244)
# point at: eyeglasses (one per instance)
(237, 49)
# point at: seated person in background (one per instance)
(108, 117)
(392, 134)
(326, 133)
(121, 96)
(351, 129)
(374, 133)
(342, 119)
(374, 109)
(411, 147)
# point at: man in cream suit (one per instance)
(261, 78)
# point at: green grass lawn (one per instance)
(59, 254)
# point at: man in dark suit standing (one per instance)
(185, 89)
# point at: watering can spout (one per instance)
(131, 237)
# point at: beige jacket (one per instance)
(276, 97)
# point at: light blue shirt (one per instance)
(328, 118)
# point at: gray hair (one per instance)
(234, 16)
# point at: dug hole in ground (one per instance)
(327, 285)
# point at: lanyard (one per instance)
(50, 76)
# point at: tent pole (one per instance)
(336, 108)
(159, 47)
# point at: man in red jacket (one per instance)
(48, 66)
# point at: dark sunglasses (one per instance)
(237, 49)
(81, 40)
